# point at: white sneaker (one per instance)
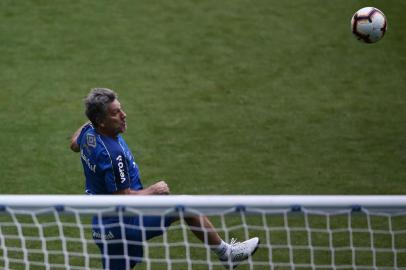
(239, 251)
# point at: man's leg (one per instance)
(204, 230)
(231, 254)
(117, 255)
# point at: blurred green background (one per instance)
(222, 97)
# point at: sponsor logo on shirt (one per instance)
(91, 140)
(91, 166)
(120, 165)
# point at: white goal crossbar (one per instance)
(205, 201)
(296, 232)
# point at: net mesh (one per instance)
(291, 238)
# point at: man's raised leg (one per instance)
(230, 254)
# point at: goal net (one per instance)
(295, 232)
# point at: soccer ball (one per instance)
(368, 24)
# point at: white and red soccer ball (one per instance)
(368, 24)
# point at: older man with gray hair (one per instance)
(110, 168)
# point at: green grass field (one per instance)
(274, 97)
(222, 97)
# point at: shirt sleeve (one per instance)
(82, 132)
(115, 168)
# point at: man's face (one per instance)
(115, 122)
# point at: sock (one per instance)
(221, 250)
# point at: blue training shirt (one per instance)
(108, 163)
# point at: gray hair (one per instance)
(96, 104)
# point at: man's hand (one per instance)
(160, 188)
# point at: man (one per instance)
(110, 168)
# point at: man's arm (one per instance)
(160, 188)
(73, 141)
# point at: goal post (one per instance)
(296, 232)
